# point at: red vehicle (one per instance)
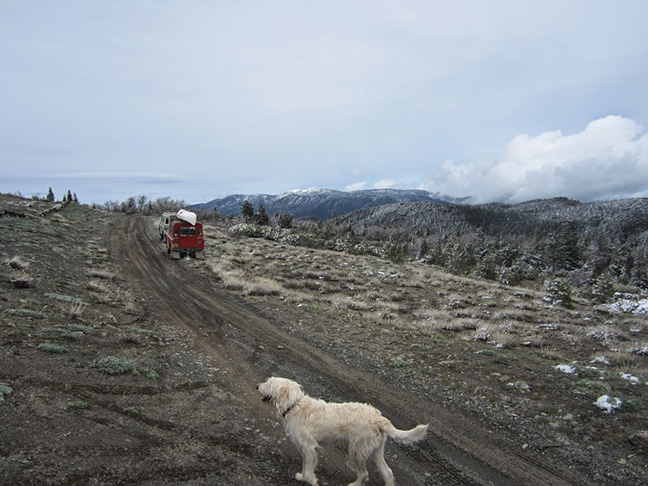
(184, 236)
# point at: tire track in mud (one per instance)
(456, 452)
(153, 271)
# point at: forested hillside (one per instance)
(592, 246)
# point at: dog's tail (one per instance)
(406, 437)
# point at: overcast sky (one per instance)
(501, 100)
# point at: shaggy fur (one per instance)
(307, 421)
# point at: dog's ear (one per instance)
(283, 397)
(288, 395)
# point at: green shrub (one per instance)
(398, 363)
(118, 366)
(559, 293)
(61, 298)
(631, 405)
(81, 328)
(149, 373)
(247, 229)
(53, 348)
(592, 387)
(115, 366)
(589, 372)
(77, 405)
(26, 313)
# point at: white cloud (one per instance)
(608, 159)
(356, 186)
(385, 184)
(381, 184)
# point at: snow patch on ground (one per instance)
(632, 379)
(628, 304)
(608, 404)
(570, 370)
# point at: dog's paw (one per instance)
(301, 477)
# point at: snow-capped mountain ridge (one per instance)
(322, 203)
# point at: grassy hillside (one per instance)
(82, 351)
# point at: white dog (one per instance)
(308, 420)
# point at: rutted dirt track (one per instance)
(247, 347)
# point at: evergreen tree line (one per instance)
(142, 204)
(69, 197)
(260, 216)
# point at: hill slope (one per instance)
(119, 365)
(620, 219)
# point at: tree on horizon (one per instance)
(262, 216)
(247, 209)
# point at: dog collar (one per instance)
(289, 408)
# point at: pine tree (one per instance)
(284, 220)
(262, 217)
(50, 195)
(569, 252)
(248, 210)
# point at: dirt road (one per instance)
(246, 346)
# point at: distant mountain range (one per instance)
(323, 203)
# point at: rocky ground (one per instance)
(120, 366)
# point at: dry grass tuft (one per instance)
(18, 263)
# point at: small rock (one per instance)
(20, 283)
(639, 439)
(523, 386)
(4, 390)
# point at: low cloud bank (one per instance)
(607, 160)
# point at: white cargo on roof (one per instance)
(187, 216)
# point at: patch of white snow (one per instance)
(608, 404)
(570, 370)
(600, 360)
(632, 379)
